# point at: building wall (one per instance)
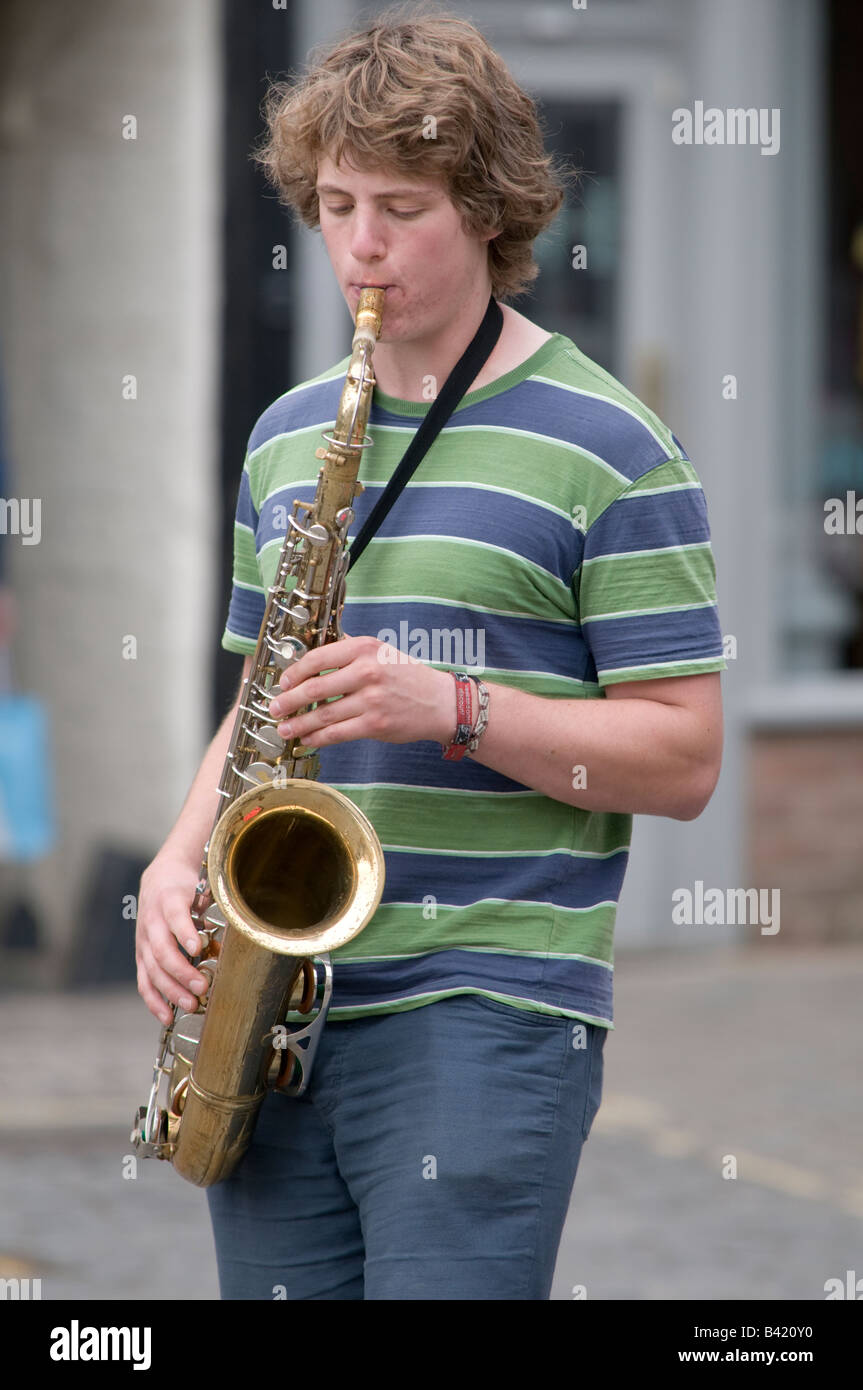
(804, 810)
(110, 271)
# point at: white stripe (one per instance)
(285, 434)
(470, 485)
(296, 391)
(492, 671)
(514, 432)
(461, 853)
(463, 485)
(655, 491)
(287, 487)
(250, 588)
(658, 550)
(483, 950)
(434, 994)
(433, 602)
(414, 539)
(421, 787)
(268, 545)
(693, 661)
(543, 955)
(647, 612)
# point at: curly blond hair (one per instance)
(422, 93)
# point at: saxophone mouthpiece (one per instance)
(370, 313)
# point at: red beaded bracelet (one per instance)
(464, 717)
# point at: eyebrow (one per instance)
(387, 193)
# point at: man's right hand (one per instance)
(164, 899)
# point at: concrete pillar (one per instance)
(110, 162)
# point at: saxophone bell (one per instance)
(295, 865)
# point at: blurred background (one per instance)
(154, 299)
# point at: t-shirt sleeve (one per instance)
(248, 599)
(647, 585)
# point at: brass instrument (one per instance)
(292, 869)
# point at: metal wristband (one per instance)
(481, 724)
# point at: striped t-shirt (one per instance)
(554, 538)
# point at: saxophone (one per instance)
(292, 868)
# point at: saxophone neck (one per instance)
(349, 433)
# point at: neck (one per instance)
(416, 369)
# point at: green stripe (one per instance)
(664, 671)
(511, 927)
(474, 822)
(609, 583)
(676, 472)
(485, 572)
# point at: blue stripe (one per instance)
(555, 879)
(599, 426)
(364, 761)
(245, 613)
(246, 513)
(303, 409)
(637, 522)
(461, 513)
(574, 985)
(483, 641)
(655, 639)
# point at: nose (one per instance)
(367, 235)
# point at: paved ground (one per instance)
(748, 1056)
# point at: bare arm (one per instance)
(168, 886)
(650, 747)
(189, 835)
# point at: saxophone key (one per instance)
(256, 774)
(149, 1144)
(187, 1035)
(207, 968)
(287, 651)
(314, 534)
(214, 918)
(266, 740)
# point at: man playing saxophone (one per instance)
(556, 518)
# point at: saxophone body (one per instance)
(292, 868)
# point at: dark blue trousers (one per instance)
(432, 1157)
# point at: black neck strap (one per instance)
(466, 369)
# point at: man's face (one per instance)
(381, 228)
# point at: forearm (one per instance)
(635, 756)
(188, 836)
(653, 756)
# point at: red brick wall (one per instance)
(805, 830)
